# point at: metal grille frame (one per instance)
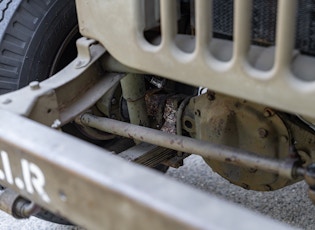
(277, 76)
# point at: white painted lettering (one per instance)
(7, 167)
(38, 181)
(27, 176)
(33, 179)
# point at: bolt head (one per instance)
(268, 112)
(263, 133)
(113, 101)
(211, 96)
(197, 112)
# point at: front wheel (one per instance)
(37, 38)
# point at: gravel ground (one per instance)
(290, 205)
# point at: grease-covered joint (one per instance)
(292, 168)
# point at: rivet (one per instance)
(34, 85)
(78, 64)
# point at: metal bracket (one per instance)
(49, 102)
(84, 55)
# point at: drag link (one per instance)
(287, 168)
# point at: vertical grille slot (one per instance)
(285, 34)
(203, 25)
(168, 21)
(242, 29)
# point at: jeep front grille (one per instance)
(266, 64)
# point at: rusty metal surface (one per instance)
(155, 103)
(50, 168)
(244, 125)
(170, 113)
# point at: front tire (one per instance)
(37, 38)
(34, 36)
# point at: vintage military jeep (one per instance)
(152, 81)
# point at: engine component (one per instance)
(238, 123)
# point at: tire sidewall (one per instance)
(46, 41)
(31, 39)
